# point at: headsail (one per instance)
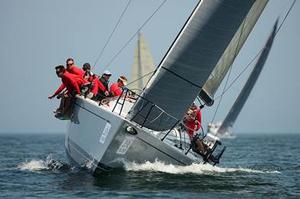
(143, 65)
(242, 98)
(218, 74)
(189, 62)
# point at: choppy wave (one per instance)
(193, 168)
(49, 164)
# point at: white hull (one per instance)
(96, 138)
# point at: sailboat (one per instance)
(143, 65)
(223, 129)
(139, 128)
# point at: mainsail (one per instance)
(189, 62)
(223, 65)
(143, 65)
(244, 94)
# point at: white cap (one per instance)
(106, 72)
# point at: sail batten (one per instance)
(192, 57)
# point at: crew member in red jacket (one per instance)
(192, 121)
(71, 68)
(72, 83)
(97, 86)
(116, 88)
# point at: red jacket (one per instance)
(97, 85)
(115, 89)
(75, 70)
(193, 124)
(71, 82)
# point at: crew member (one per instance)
(104, 79)
(71, 68)
(116, 88)
(72, 83)
(88, 75)
(192, 122)
(97, 91)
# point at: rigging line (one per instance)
(111, 34)
(255, 57)
(140, 78)
(239, 75)
(132, 37)
(287, 14)
(227, 79)
(230, 69)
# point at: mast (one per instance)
(244, 94)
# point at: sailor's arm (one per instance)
(61, 88)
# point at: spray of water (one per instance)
(193, 168)
(49, 164)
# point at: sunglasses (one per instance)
(70, 64)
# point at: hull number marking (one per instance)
(105, 133)
(127, 142)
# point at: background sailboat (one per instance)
(223, 129)
(143, 65)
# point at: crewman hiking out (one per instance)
(72, 83)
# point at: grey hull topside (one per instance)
(96, 138)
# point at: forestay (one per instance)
(189, 62)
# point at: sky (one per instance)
(37, 35)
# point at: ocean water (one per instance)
(253, 166)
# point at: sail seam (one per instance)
(177, 75)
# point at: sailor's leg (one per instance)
(66, 106)
(61, 105)
(200, 146)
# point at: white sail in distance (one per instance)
(143, 65)
(189, 62)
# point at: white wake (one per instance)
(193, 169)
